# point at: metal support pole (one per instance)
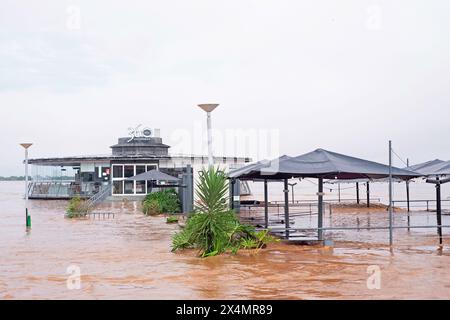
(368, 194)
(438, 184)
(26, 178)
(339, 192)
(320, 210)
(266, 203)
(27, 217)
(293, 198)
(233, 182)
(390, 195)
(407, 197)
(407, 191)
(357, 193)
(26, 187)
(190, 188)
(286, 207)
(439, 209)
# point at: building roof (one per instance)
(76, 160)
(320, 164)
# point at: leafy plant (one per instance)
(165, 201)
(76, 208)
(249, 243)
(213, 228)
(172, 219)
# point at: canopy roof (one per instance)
(320, 164)
(154, 175)
(382, 180)
(254, 167)
(431, 168)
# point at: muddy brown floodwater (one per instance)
(128, 257)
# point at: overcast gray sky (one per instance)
(342, 75)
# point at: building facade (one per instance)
(85, 176)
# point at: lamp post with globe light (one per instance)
(208, 108)
(26, 146)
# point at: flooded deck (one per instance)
(128, 257)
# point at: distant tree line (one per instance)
(38, 178)
(13, 178)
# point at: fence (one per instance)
(416, 204)
(305, 213)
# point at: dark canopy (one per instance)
(431, 168)
(154, 175)
(254, 167)
(320, 164)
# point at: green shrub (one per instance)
(249, 243)
(151, 207)
(172, 219)
(165, 201)
(76, 208)
(213, 228)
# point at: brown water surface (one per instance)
(128, 257)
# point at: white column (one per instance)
(26, 178)
(210, 146)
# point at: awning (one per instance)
(320, 164)
(432, 168)
(153, 175)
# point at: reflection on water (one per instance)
(129, 257)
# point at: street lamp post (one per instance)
(208, 108)
(26, 146)
(292, 186)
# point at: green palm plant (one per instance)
(212, 189)
(213, 228)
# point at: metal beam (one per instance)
(286, 207)
(368, 194)
(390, 196)
(357, 193)
(233, 182)
(320, 210)
(439, 210)
(408, 198)
(266, 203)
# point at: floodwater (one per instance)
(128, 257)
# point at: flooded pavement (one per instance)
(128, 257)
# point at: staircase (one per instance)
(97, 198)
(245, 189)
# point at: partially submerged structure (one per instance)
(437, 173)
(118, 175)
(319, 164)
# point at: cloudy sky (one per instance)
(342, 75)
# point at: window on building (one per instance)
(118, 187)
(129, 187)
(140, 169)
(118, 172)
(129, 171)
(140, 187)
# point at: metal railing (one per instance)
(62, 189)
(254, 214)
(99, 197)
(426, 203)
(361, 200)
